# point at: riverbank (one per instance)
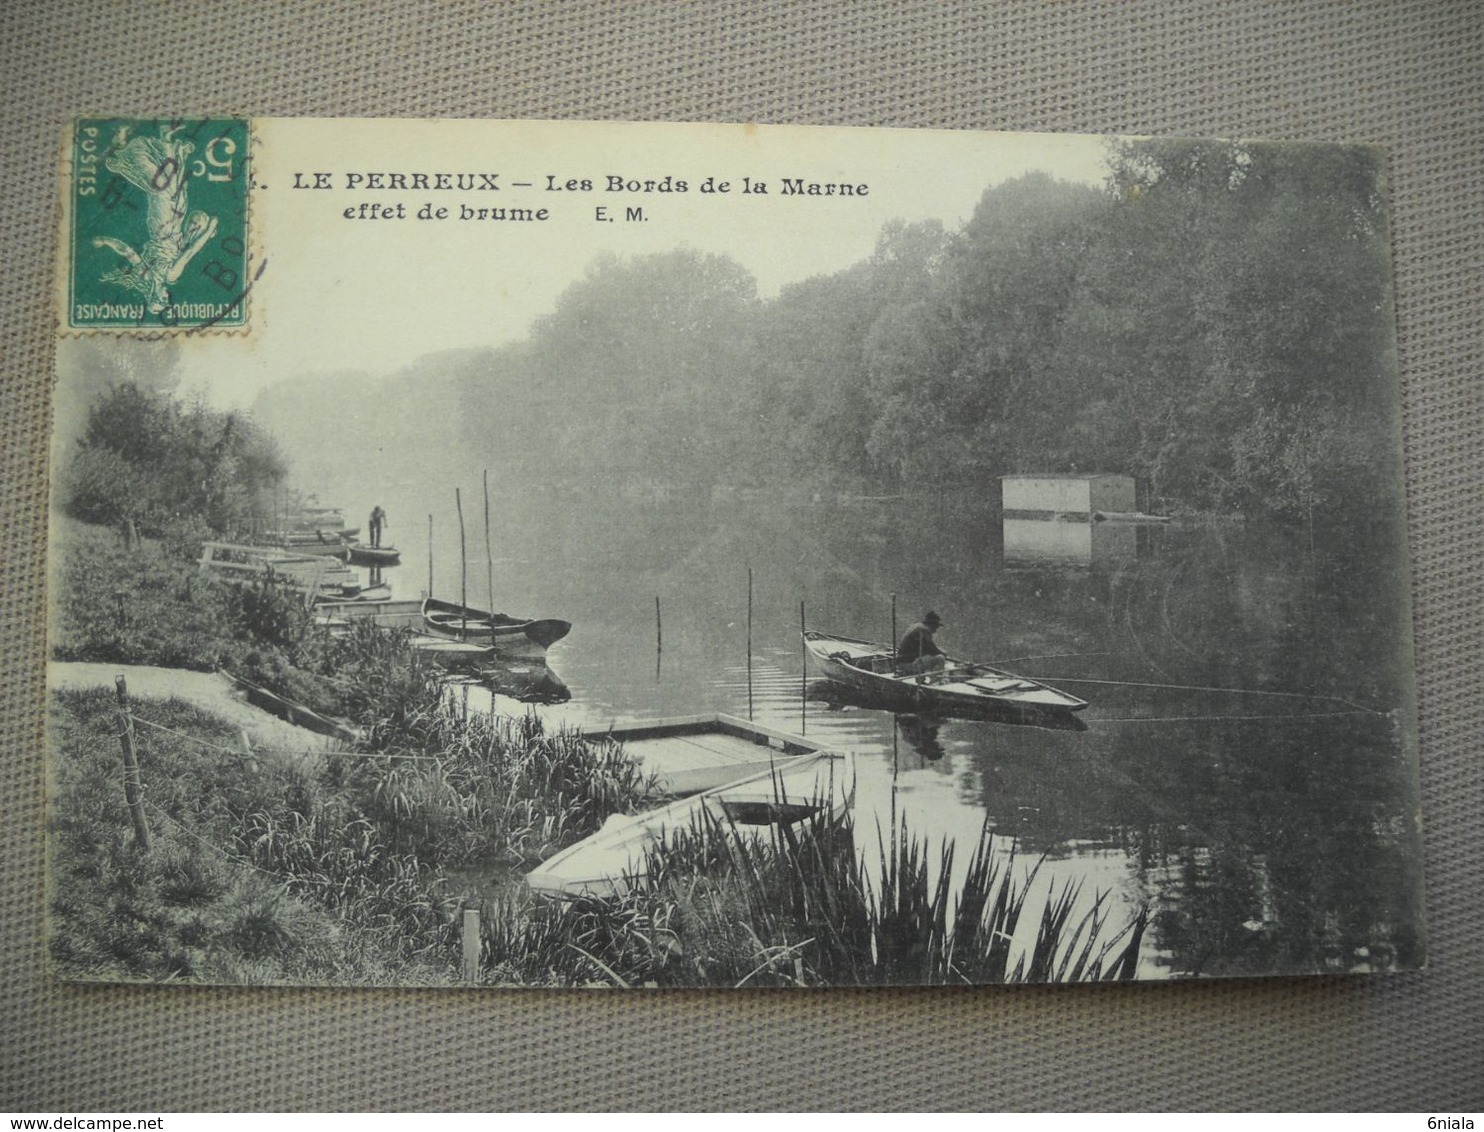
(208, 691)
(355, 866)
(342, 860)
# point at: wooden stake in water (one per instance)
(749, 642)
(458, 503)
(659, 636)
(489, 556)
(893, 632)
(895, 727)
(803, 675)
(430, 556)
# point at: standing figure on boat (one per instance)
(917, 651)
(174, 231)
(378, 520)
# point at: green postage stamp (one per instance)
(157, 224)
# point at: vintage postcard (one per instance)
(555, 554)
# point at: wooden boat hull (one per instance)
(315, 549)
(701, 752)
(354, 592)
(359, 554)
(515, 636)
(837, 695)
(612, 860)
(287, 710)
(461, 655)
(868, 667)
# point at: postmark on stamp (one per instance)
(158, 224)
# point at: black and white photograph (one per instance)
(577, 555)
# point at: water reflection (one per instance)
(1088, 544)
(1266, 835)
(1085, 544)
(920, 732)
(525, 681)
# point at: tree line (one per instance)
(1214, 319)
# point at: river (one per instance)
(1265, 833)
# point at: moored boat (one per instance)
(513, 635)
(313, 547)
(871, 667)
(793, 790)
(308, 572)
(450, 653)
(699, 752)
(288, 710)
(361, 554)
(354, 592)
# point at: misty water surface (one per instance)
(1265, 833)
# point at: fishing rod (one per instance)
(1205, 688)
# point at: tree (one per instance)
(636, 373)
(1253, 299)
(146, 457)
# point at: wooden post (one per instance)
(749, 642)
(430, 556)
(132, 788)
(659, 635)
(244, 744)
(119, 611)
(489, 555)
(803, 675)
(471, 945)
(463, 570)
(894, 632)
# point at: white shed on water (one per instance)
(1071, 496)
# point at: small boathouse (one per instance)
(1068, 498)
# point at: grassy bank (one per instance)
(354, 866)
(350, 867)
(150, 603)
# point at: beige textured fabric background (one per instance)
(1407, 75)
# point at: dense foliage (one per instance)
(1214, 320)
(173, 468)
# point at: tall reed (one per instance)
(799, 907)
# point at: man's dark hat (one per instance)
(931, 618)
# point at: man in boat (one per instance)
(378, 518)
(918, 652)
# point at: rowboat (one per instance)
(871, 667)
(360, 554)
(331, 543)
(288, 710)
(836, 695)
(514, 635)
(314, 549)
(354, 592)
(450, 653)
(309, 572)
(699, 752)
(795, 789)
